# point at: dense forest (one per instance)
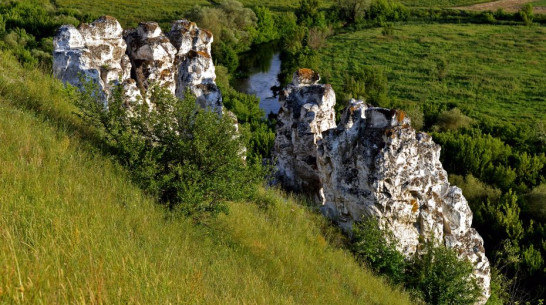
(474, 80)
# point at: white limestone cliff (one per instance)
(307, 109)
(101, 52)
(373, 164)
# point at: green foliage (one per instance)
(526, 14)
(352, 11)
(377, 249)
(506, 217)
(232, 25)
(387, 10)
(441, 278)
(536, 202)
(369, 83)
(309, 15)
(474, 190)
(187, 157)
(452, 120)
(266, 25)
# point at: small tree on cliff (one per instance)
(189, 158)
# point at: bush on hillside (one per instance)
(190, 158)
(377, 249)
(440, 278)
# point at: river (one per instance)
(261, 67)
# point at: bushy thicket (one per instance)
(189, 158)
(27, 28)
(434, 275)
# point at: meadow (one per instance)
(488, 71)
(75, 230)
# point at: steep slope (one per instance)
(73, 229)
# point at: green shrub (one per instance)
(441, 278)
(377, 249)
(387, 10)
(186, 156)
(452, 120)
(369, 83)
(526, 14)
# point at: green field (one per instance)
(490, 71)
(129, 13)
(75, 230)
(440, 3)
(540, 3)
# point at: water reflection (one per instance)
(262, 65)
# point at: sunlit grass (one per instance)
(494, 72)
(75, 230)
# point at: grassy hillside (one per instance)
(488, 71)
(73, 229)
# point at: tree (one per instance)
(188, 157)
(353, 11)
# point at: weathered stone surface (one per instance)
(375, 164)
(93, 52)
(152, 56)
(195, 68)
(307, 109)
(186, 36)
(104, 54)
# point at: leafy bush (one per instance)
(387, 10)
(452, 120)
(377, 249)
(188, 157)
(369, 83)
(442, 279)
(526, 14)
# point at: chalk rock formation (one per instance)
(102, 53)
(195, 69)
(307, 109)
(152, 56)
(375, 164)
(92, 52)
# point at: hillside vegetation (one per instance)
(490, 72)
(73, 228)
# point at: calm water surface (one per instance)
(262, 66)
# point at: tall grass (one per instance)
(490, 72)
(74, 230)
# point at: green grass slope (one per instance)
(489, 71)
(74, 230)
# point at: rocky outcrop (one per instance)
(373, 164)
(152, 56)
(91, 53)
(307, 109)
(104, 54)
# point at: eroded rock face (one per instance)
(102, 53)
(307, 109)
(375, 164)
(195, 68)
(152, 56)
(92, 52)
